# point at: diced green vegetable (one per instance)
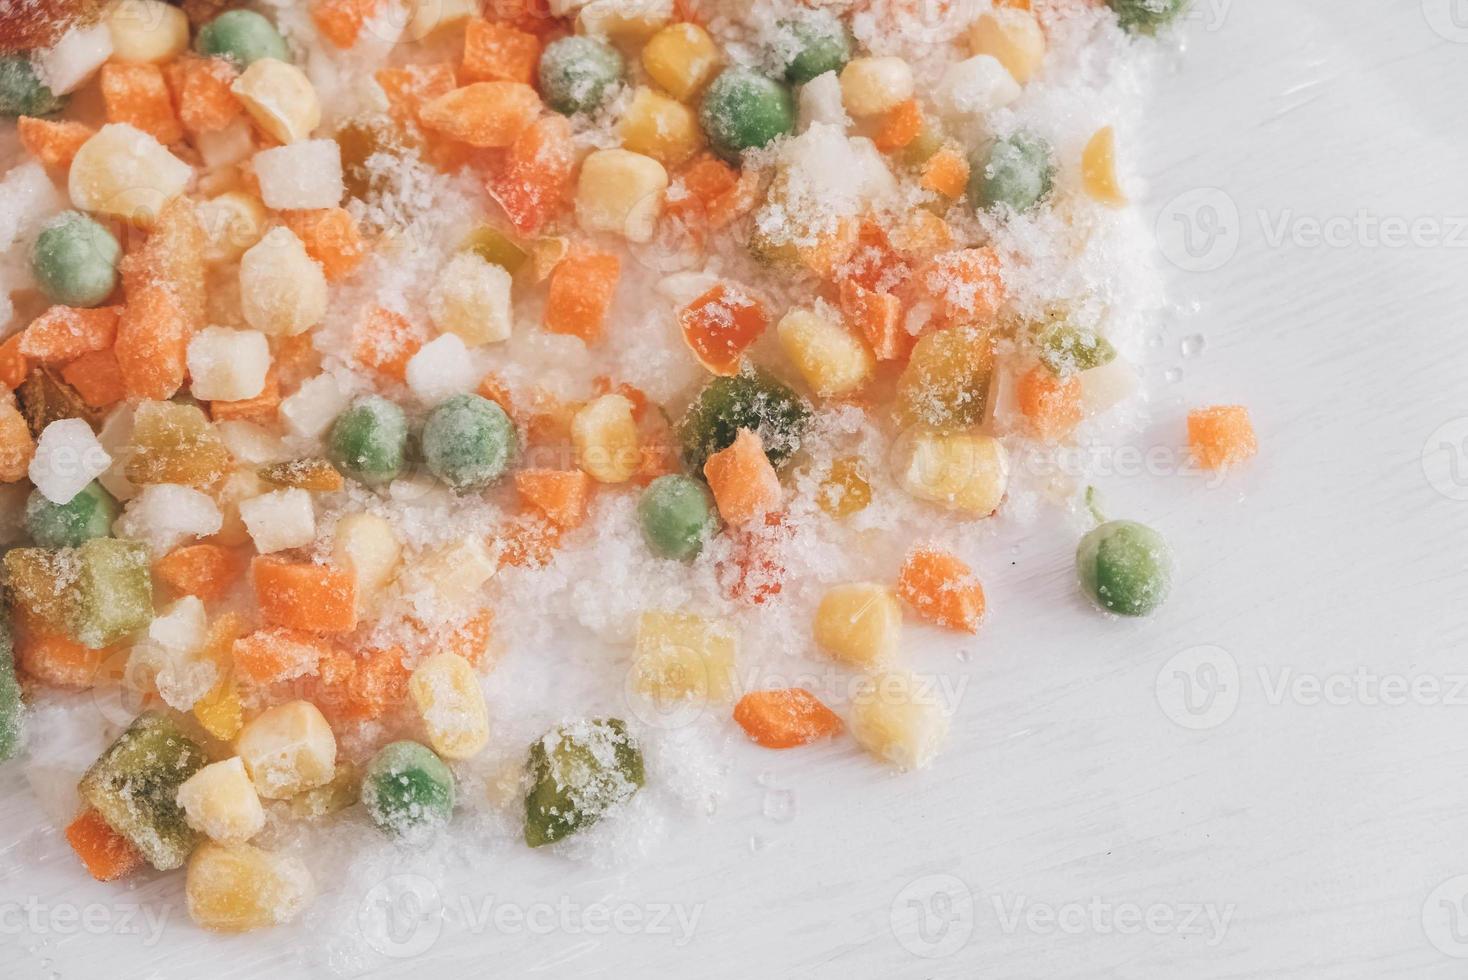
(243, 37)
(577, 74)
(496, 248)
(678, 516)
(74, 261)
(577, 773)
(12, 711)
(743, 110)
(1016, 172)
(369, 440)
(408, 791)
(1146, 16)
(753, 400)
(1068, 350)
(22, 93)
(811, 45)
(87, 515)
(115, 591)
(468, 442)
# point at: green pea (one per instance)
(408, 791)
(677, 515)
(468, 442)
(1015, 172)
(1067, 350)
(812, 45)
(754, 401)
(577, 773)
(368, 441)
(87, 515)
(22, 93)
(1146, 16)
(1125, 568)
(578, 73)
(243, 37)
(744, 110)
(75, 261)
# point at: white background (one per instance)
(1086, 783)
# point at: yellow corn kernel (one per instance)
(946, 382)
(220, 802)
(366, 545)
(662, 128)
(604, 437)
(621, 21)
(288, 749)
(832, 360)
(220, 712)
(472, 300)
(451, 706)
(1013, 37)
(899, 719)
(1098, 169)
(280, 98)
(859, 624)
(621, 193)
(679, 657)
(125, 173)
(872, 86)
(233, 223)
(454, 573)
(238, 887)
(282, 289)
(343, 790)
(963, 471)
(682, 58)
(845, 491)
(146, 31)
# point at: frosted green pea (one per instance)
(369, 440)
(744, 110)
(677, 516)
(22, 93)
(86, 516)
(1125, 568)
(577, 74)
(408, 791)
(753, 400)
(242, 36)
(74, 261)
(468, 442)
(812, 45)
(1015, 172)
(1146, 16)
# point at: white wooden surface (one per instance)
(1295, 812)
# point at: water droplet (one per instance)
(780, 805)
(757, 844)
(711, 806)
(1155, 340)
(766, 778)
(965, 655)
(1192, 346)
(1173, 375)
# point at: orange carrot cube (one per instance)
(497, 52)
(528, 542)
(14, 366)
(743, 480)
(138, 95)
(385, 342)
(64, 334)
(1221, 436)
(359, 687)
(785, 719)
(275, 654)
(305, 596)
(152, 343)
(967, 285)
(1051, 405)
(411, 87)
(721, 325)
(493, 388)
(53, 142)
(755, 571)
(581, 290)
(53, 659)
(207, 571)
(331, 237)
(17, 446)
(107, 855)
(561, 495)
(201, 90)
(946, 172)
(942, 589)
(264, 407)
(97, 378)
(470, 639)
(484, 114)
(340, 21)
(535, 179)
(899, 126)
(878, 316)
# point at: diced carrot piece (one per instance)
(64, 334)
(581, 291)
(785, 719)
(755, 571)
(873, 264)
(411, 87)
(353, 687)
(52, 659)
(201, 89)
(305, 596)
(313, 474)
(152, 343)
(967, 285)
(1051, 405)
(296, 358)
(14, 366)
(1221, 436)
(743, 481)
(899, 126)
(331, 237)
(535, 179)
(107, 855)
(493, 388)
(470, 639)
(497, 52)
(702, 184)
(385, 342)
(721, 325)
(946, 172)
(207, 571)
(942, 589)
(528, 542)
(97, 378)
(276, 653)
(533, 16)
(484, 114)
(138, 95)
(264, 407)
(172, 257)
(340, 21)
(17, 445)
(561, 495)
(53, 142)
(879, 318)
